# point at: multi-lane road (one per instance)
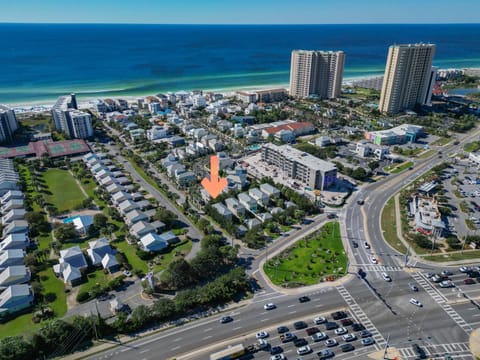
(441, 326)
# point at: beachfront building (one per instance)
(297, 165)
(271, 95)
(8, 124)
(314, 72)
(68, 119)
(398, 135)
(409, 77)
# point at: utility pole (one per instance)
(406, 255)
(386, 347)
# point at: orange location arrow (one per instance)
(214, 185)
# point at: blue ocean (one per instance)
(39, 62)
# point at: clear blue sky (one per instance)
(241, 11)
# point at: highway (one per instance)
(442, 325)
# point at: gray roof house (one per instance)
(70, 264)
(15, 298)
(269, 190)
(235, 207)
(110, 263)
(186, 178)
(128, 205)
(114, 188)
(108, 181)
(102, 174)
(11, 204)
(247, 201)
(153, 242)
(11, 258)
(14, 275)
(14, 214)
(251, 223)
(263, 217)
(260, 197)
(222, 210)
(135, 216)
(16, 226)
(120, 196)
(98, 249)
(15, 241)
(141, 228)
(11, 195)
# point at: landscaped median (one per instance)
(316, 258)
(401, 167)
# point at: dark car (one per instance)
(331, 216)
(365, 334)
(360, 202)
(473, 274)
(331, 325)
(300, 325)
(355, 244)
(346, 322)
(347, 347)
(468, 281)
(275, 350)
(361, 273)
(358, 327)
(325, 354)
(337, 315)
(282, 329)
(419, 351)
(304, 299)
(226, 319)
(312, 330)
(300, 342)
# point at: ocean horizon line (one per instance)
(236, 24)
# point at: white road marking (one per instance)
(209, 329)
(207, 337)
(263, 320)
(144, 351)
(175, 348)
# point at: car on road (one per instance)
(347, 347)
(331, 342)
(374, 260)
(358, 327)
(349, 337)
(282, 329)
(325, 354)
(386, 277)
(319, 336)
(300, 342)
(365, 334)
(319, 320)
(312, 330)
(269, 306)
(276, 350)
(366, 245)
(263, 344)
(346, 322)
(446, 272)
(360, 201)
(300, 325)
(304, 299)
(368, 341)
(226, 319)
(331, 216)
(354, 244)
(261, 335)
(413, 287)
(277, 357)
(446, 284)
(330, 325)
(341, 331)
(415, 302)
(469, 281)
(304, 350)
(337, 315)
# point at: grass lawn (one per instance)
(310, 259)
(472, 147)
(52, 284)
(184, 248)
(389, 226)
(97, 277)
(21, 325)
(442, 141)
(427, 154)
(132, 257)
(402, 167)
(65, 192)
(467, 254)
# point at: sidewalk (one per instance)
(475, 343)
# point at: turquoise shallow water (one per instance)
(39, 62)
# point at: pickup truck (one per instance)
(260, 345)
(287, 337)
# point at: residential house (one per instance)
(114, 188)
(11, 204)
(15, 298)
(248, 202)
(12, 215)
(98, 249)
(108, 181)
(81, 223)
(269, 190)
(11, 258)
(137, 135)
(11, 195)
(15, 227)
(251, 223)
(260, 197)
(263, 217)
(223, 210)
(110, 263)
(153, 242)
(120, 197)
(186, 178)
(70, 265)
(134, 216)
(125, 206)
(141, 228)
(235, 207)
(13, 275)
(15, 241)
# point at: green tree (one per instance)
(100, 221)
(166, 216)
(163, 309)
(65, 232)
(16, 348)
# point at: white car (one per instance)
(464, 269)
(341, 331)
(386, 277)
(263, 344)
(374, 260)
(331, 342)
(415, 302)
(277, 357)
(367, 245)
(319, 320)
(304, 350)
(261, 335)
(269, 306)
(349, 337)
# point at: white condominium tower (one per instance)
(314, 72)
(408, 77)
(66, 118)
(8, 124)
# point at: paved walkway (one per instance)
(475, 343)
